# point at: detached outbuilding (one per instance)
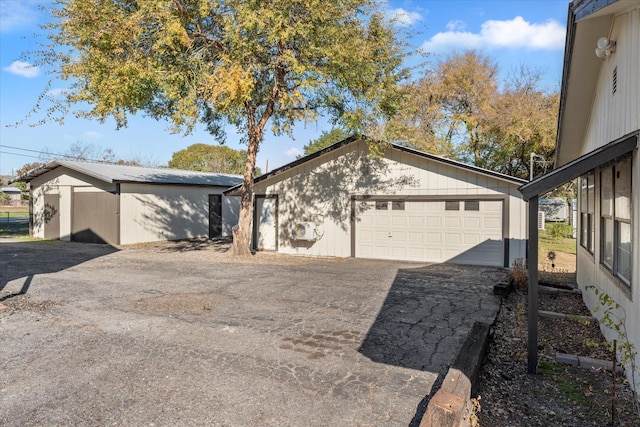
(401, 205)
(116, 204)
(14, 195)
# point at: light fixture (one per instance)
(605, 47)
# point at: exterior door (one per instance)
(265, 230)
(215, 215)
(95, 217)
(459, 231)
(51, 216)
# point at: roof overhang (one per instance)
(588, 20)
(579, 166)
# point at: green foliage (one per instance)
(326, 139)
(210, 158)
(548, 243)
(5, 199)
(460, 109)
(614, 318)
(559, 230)
(214, 63)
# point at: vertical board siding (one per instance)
(320, 191)
(616, 115)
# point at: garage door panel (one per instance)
(425, 231)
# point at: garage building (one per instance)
(116, 204)
(401, 205)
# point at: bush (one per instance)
(560, 230)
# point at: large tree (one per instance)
(325, 139)
(210, 158)
(247, 63)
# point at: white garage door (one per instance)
(463, 232)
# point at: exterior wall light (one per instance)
(605, 47)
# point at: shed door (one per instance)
(462, 232)
(95, 217)
(51, 216)
(215, 215)
(265, 231)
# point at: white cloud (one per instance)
(292, 152)
(404, 17)
(92, 135)
(23, 69)
(18, 14)
(514, 33)
(456, 25)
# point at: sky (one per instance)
(512, 33)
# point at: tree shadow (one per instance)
(428, 313)
(25, 260)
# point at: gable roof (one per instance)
(587, 21)
(115, 174)
(354, 139)
(10, 190)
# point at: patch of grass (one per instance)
(550, 240)
(6, 213)
(14, 229)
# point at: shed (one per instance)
(14, 194)
(401, 205)
(116, 204)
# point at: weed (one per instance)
(519, 274)
(588, 342)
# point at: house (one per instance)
(14, 194)
(401, 205)
(597, 143)
(116, 204)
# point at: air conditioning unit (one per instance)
(305, 231)
(540, 220)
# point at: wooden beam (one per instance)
(532, 344)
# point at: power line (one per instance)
(33, 151)
(20, 154)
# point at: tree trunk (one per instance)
(242, 231)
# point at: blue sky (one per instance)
(511, 32)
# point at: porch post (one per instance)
(532, 345)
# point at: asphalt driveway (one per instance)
(184, 335)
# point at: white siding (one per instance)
(60, 181)
(613, 116)
(320, 191)
(616, 115)
(169, 212)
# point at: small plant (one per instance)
(519, 274)
(614, 318)
(560, 230)
(589, 343)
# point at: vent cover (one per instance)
(614, 81)
(540, 220)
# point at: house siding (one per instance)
(612, 117)
(64, 182)
(321, 191)
(151, 213)
(616, 115)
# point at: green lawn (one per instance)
(10, 228)
(556, 238)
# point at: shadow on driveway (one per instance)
(427, 314)
(24, 260)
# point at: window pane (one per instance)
(623, 251)
(398, 205)
(606, 191)
(622, 183)
(592, 228)
(452, 206)
(584, 184)
(381, 206)
(607, 242)
(584, 229)
(591, 193)
(472, 205)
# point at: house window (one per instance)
(382, 206)
(452, 205)
(472, 205)
(397, 205)
(587, 208)
(615, 219)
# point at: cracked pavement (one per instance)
(94, 335)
